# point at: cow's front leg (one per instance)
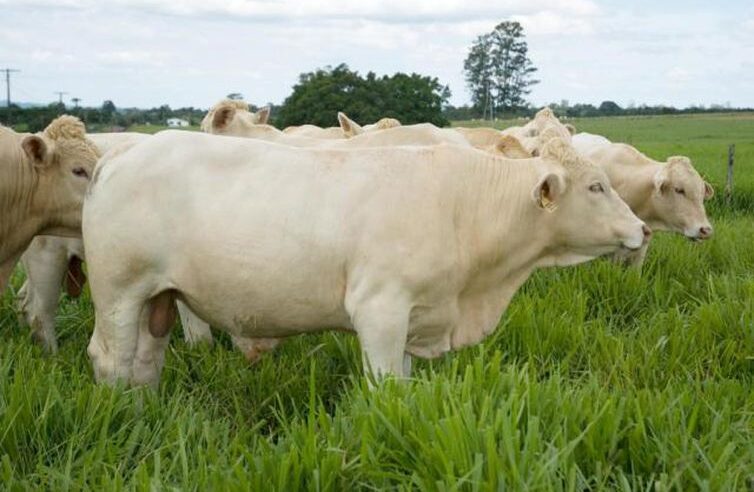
(381, 324)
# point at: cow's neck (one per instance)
(504, 229)
(506, 236)
(635, 185)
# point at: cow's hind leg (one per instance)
(156, 322)
(45, 264)
(112, 347)
(195, 330)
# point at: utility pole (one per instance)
(8, 71)
(76, 101)
(60, 96)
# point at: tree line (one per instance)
(498, 71)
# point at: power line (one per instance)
(8, 71)
(60, 96)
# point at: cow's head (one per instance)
(586, 217)
(678, 199)
(63, 160)
(232, 117)
(510, 147)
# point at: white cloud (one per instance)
(390, 11)
(132, 51)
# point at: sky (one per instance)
(145, 53)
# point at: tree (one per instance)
(498, 70)
(319, 95)
(610, 108)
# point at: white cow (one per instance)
(669, 196)
(244, 116)
(351, 128)
(43, 178)
(314, 131)
(415, 249)
(531, 134)
(347, 129)
(230, 120)
(51, 262)
(492, 140)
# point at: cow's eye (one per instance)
(80, 172)
(597, 188)
(680, 191)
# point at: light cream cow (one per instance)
(43, 178)
(241, 111)
(52, 262)
(491, 140)
(314, 131)
(229, 120)
(351, 128)
(668, 196)
(416, 250)
(530, 135)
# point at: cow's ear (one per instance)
(548, 191)
(511, 147)
(350, 128)
(223, 116)
(263, 115)
(571, 129)
(36, 149)
(709, 191)
(661, 181)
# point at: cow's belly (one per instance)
(266, 298)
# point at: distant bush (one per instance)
(319, 95)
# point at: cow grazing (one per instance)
(417, 250)
(43, 178)
(54, 262)
(668, 196)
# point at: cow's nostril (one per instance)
(646, 230)
(705, 232)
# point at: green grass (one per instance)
(597, 378)
(150, 129)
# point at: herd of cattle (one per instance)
(414, 237)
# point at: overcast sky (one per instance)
(193, 52)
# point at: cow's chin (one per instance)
(576, 257)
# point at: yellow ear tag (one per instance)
(548, 204)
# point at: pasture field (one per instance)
(598, 378)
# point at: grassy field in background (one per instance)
(597, 378)
(151, 129)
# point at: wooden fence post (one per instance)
(729, 181)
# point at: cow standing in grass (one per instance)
(418, 250)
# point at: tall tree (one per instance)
(498, 69)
